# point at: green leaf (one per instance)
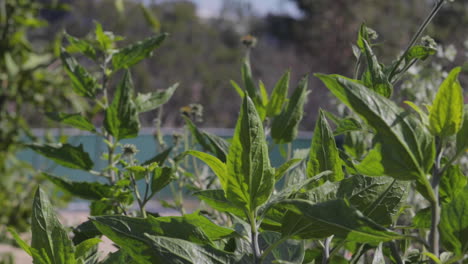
(419, 52)
(337, 218)
(75, 120)
(237, 88)
(284, 127)
(378, 80)
(378, 198)
(263, 94)
(192, 227)
(80, 45)
(121, 118)
(217, 200)
(218, 167)
(279, 172)
(250, 178)
(105, 39)
(83, 82)
(151, 19)
(324, 155)
(175, 251)
(278, 96)
(160, 158)
(150, 101)
(209, 142)
(84, 190)
(446, 114)
(161, 178)
(118, 257)
(422, 219)
(84, 247)
(404, 148)
(49, 237)
(20, 241)
(131, 55)
(452, 182)
(65, 155)
(462, 138)
(289, 251)
(454, 224)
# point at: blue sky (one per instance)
(209, 8)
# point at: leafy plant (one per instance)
(345, 205)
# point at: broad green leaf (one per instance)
(151, 19)
(49, 237)
(284, 127)
(160, 158)
(290, 190)
(74, 120)
(217, 200)
(378, 198)
(192, 227)
(454, 224)
(343, 125)
(324, 154)
(209, 142)
(446, 115)
(161, 178)
(405, 149)
(131, 55)
(278, 96)
(84, 190)
(81, 46)
(150, 101)
(121, 118)
(218, 167)
(250, 178)
(83, 82)
(337, 218)
(422, 219)
(419, 52)
(279, 172)
(452, 182)
(118, 257)
(177, 251)
(84, 247)
(378, 80)
(422, 114)
(289, 251)
(462, 135)
(65, 155)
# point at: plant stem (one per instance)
(435, 206)
(254, 238)
(395, 252)
(416, 36)
(326, 250)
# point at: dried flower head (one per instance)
(429, 42)
(249, 41)
(129, 150)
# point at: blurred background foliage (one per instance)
(204, 52)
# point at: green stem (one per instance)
(435, 206)
(395, 253)
(254, 238)
(416, 36)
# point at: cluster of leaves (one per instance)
(332, 201)
(27, 73)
